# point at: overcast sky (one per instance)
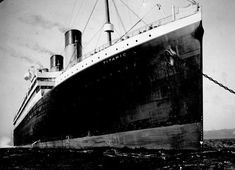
(30, 31)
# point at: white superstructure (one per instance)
(41, 82)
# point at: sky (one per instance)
(31, 31)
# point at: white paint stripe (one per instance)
(122, 46)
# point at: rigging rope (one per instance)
(117, 32)
(88, 42)
(133, 12)
(70, 60)
(74, 4)
(135, 24)
(127, 31)
(119, 15)
(90, 16)
(98, 39)
(75, 16)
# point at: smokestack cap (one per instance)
(72, 36)
(56, 63)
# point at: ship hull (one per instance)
(135, 97)
(175, 137)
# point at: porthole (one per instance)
(150, 35)
(127, 44)
(136, 40)
(116, 48)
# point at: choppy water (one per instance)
(216, 154)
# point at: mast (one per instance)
(108, 27)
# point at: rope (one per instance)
(117, 32)
(75, 16)
(206, 76)
(135, 24)
(98, 39)
(133, 12)
(218, 83)
(90, 16)
(119, 16)
(127, 31)
(89, 41)
(74, 4)
(70, 59)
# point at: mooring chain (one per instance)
(173, 54)
(218, 83)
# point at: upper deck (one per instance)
(178, 19)
(176, 15)
(41, 82)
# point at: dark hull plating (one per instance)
(134, 90)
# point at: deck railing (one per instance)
(181, 13)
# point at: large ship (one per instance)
(143, 90)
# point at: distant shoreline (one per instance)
(220, 134)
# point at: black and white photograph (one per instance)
(117, 84)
